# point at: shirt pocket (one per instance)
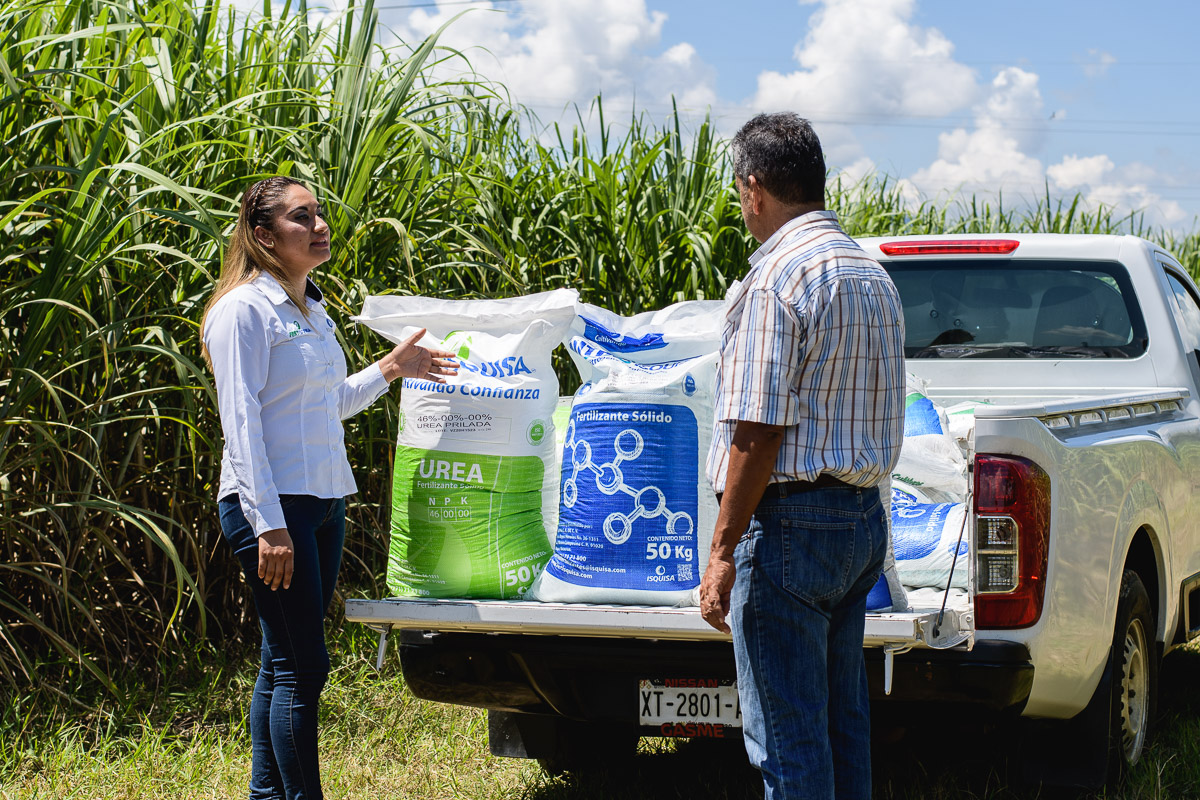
(299, 358)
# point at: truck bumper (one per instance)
(597, 679)
(995, 674)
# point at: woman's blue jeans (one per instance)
(804, 569)
(295, 663)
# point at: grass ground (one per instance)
(380, 742)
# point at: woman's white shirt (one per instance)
(283, 392)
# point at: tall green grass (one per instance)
(128, 130)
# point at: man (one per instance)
(810, 415)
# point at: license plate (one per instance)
(688, 706)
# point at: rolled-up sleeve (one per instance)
(239, 343)
(360, 390)
(760, 363)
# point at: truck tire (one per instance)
(1099, 745)
(1133, 661)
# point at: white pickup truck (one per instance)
(1083, 538)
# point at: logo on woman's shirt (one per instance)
(293, 329)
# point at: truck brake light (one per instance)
(950, 247)
(1012, 535)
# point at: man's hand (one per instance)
(751, 461)
(276, 559)
(715, 587)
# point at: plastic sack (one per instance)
(930, 459)
(475, 484)
(888, 593)
(636, 513)
(926, 538)
(960, 419)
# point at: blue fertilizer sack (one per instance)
(926, 538)
(888, 593)
(636, 514)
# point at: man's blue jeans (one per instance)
(295, 663)
(804, 569)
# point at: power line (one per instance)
(1025, 124)
(417, 5)
(1017, 61)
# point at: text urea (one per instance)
(450, 470)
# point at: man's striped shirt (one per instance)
(814, 341)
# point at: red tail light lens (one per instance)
(950, 247)
(1012, 537)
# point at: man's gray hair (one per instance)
(783, 154)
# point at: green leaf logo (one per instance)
(462, 347)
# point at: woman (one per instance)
(283, 391)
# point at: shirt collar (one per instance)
(275, 292)
(813, 219)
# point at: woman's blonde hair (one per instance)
(245, 256)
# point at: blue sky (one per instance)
(945, 96)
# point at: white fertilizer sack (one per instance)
(475, 484)
(929, 597)
(925, 538)
(961, 423)
(636, 513)
(930, 459)
(680, 331)
(907, 496)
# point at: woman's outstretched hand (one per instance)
(410, 360)
(276, 558)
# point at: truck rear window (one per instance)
(974, 308)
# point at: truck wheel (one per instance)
(1133, 661)
(1103, 741)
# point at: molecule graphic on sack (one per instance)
(627, 446)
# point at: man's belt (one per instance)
(778, 491)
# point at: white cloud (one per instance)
(864, 61)
(1015, 106)
(550, 54)
(992, 157)
(1097, 63)
(854, 172)
(865, 57)
(1076, 171)
(1100, 183)
(995, 156)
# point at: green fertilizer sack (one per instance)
(474, 489)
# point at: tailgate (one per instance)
(894, 631)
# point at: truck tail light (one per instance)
(950, 247)
(1012, 536)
